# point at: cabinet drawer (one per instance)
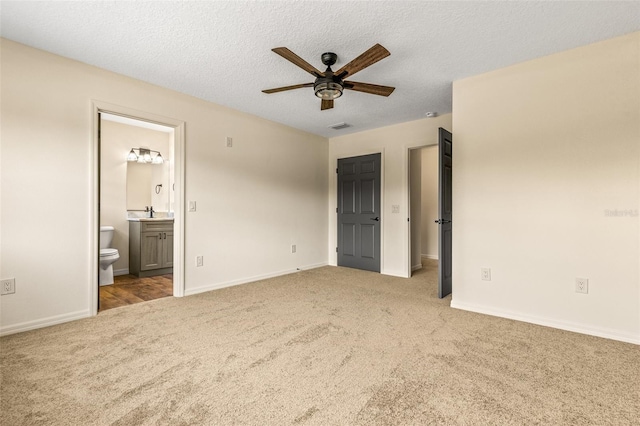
(160, 225)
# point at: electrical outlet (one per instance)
(229, 142)
(8, 286)
(582, 285)
(293, 248)
(199, 261)
(485, 274)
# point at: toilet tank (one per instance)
(106, 236)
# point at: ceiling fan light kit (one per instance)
(327, 90)
(330, 85)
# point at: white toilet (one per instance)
(107, 255)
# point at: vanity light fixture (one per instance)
(144, 156)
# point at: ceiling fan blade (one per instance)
(297, 60)
(368, 58)
(374, 89)
(282, 89)
(326, 104)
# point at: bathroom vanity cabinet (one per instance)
(150, 247)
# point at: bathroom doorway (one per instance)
(136, 180)
(138, 207)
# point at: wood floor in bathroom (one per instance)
(129, 289)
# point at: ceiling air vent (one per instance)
(339, 126)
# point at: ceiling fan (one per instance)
(329, 85)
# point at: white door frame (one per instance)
(179, 175)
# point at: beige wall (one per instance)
(394, 143)
(253, 200)
(429, 211)
(542, 151)
(116, 140)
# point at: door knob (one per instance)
(442, 221)
(377, 219)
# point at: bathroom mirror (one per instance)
(148, 185)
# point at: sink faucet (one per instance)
(151, 212)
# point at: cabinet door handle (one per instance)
(160, 235)
(165, 235)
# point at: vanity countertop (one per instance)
(149, 219)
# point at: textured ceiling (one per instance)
(221, 51)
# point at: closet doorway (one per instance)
(423, 197)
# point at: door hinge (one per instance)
(336, 210)
(336, 170)
(336, 249)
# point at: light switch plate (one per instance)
(192, 206)
(395, 208)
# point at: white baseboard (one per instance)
(43, 322)
(314, 266)
(399, 274)
(203, 289)
(118, 272)
(430, 256)
(549, 322)
(416, 267)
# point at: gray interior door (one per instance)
(444, 209)
(359, 212)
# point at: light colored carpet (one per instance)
(329, 346)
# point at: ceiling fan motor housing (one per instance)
(329, 58)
